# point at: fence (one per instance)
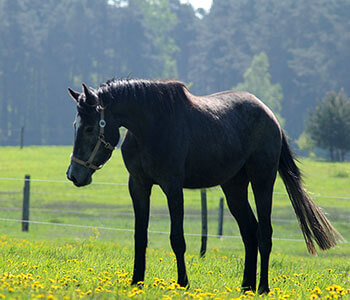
(23, 136)
(26, 209)
(25, 221)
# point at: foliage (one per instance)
(47, 46)
(257, 81)
(329, 125)
(306, 43)
(305, 142)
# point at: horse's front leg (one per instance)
(174, 195)
(140, 192)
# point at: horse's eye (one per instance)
(89, 129)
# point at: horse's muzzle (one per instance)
(78, 176)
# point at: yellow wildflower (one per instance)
(317, 290)
(250, 293)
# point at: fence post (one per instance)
(26, 193)
(221, 217)
(21, 138)
(204, 222)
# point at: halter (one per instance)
(101, 140)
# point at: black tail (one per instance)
(313, 223)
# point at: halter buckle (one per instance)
(102, 123)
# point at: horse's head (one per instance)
(95, 136)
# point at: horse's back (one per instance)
(225, 130)
(208, 141)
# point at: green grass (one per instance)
(56, 260)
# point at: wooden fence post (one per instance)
(221, 217)
(21, 138)
(26, 193)
(204, 222)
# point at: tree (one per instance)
(257, 81)
(184, 34)
(329, 125)
(306, 143)
(160, 21)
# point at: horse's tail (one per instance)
(313, 223)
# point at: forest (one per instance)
(48, 46)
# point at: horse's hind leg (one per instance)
(262, 183)
(174, 195)
(236, 192)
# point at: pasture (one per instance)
(82, 243)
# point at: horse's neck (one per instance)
(134, 115)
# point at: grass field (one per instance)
(56, 259)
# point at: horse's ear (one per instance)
(75, 95)
(90, 96)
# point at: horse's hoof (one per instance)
(184, 283)
(138, 283)
(263, 290)
(247, 289)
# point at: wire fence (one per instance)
(125, 184)
(132, 230)
(102, 214)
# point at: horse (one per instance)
(178, 140)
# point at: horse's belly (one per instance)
(205, 175)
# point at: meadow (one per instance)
(81, 242)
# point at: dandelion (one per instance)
(250, 293)
(317, 290)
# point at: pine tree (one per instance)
(329, 125)
(257, 81)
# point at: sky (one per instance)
(199, 3)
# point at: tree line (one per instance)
(47, 46)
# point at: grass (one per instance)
(95, 268)
(56, 260)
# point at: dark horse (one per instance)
(177, 140)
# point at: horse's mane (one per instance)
(162, 94)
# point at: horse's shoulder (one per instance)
(129, 147)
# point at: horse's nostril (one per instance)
(72, 178)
